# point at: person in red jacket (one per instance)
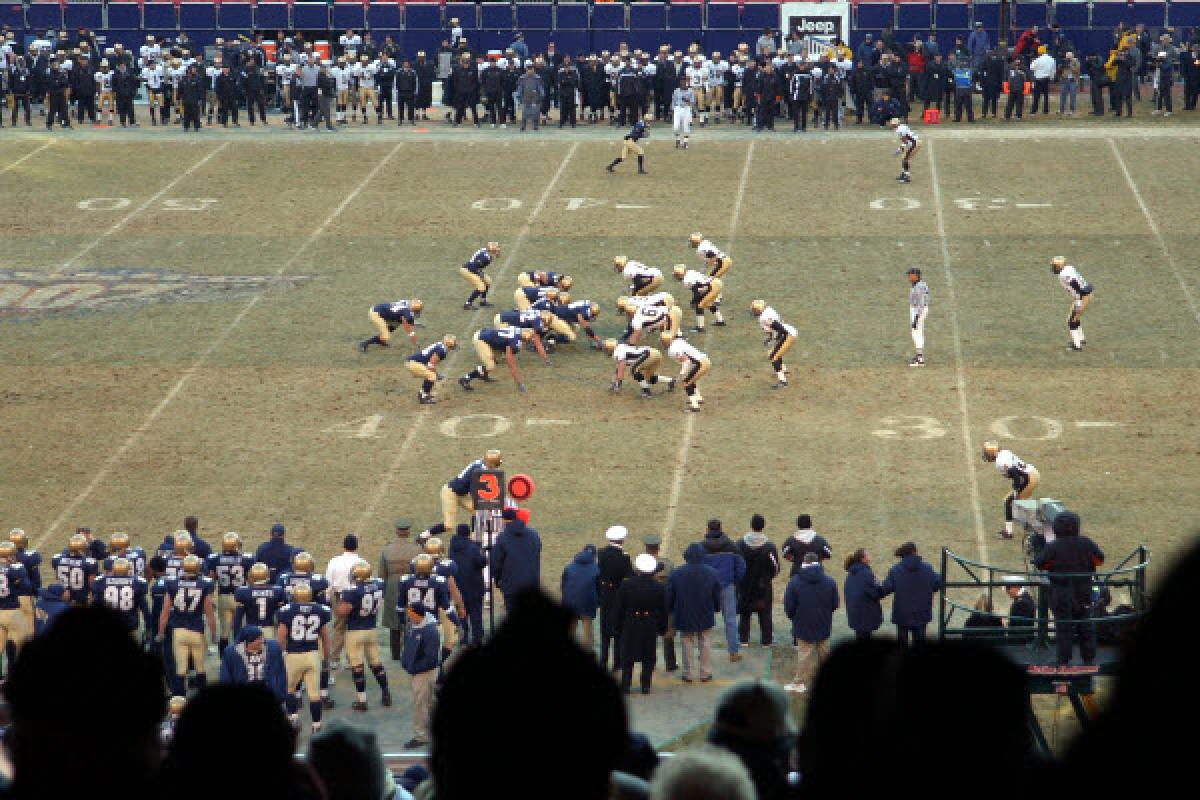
(914, 59)
(1027, 42)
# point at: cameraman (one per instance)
(1070, 560)
(1097, 80)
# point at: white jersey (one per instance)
(696, 280)
(284, 74)
(150, 51)
(212, 73)
(104, 81)
(918, 296)
(350, 45)
(1007, 460)
(905, 134)
(175, 75)
(648, 317)
(769, 319)
(366, 75)
(716, 74)
(663, 299)
(629, 353)
(697, 75)
(1073, 282)
(341, 77)
(708, 250)
(636, 269)
(684, 353)
(610, 72)
(153, 78)
(738, 71)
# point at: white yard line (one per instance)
(121, 223)
(132, 440)
(26, 157)
(384, 485)
(689, 423)
(1162, 243)
(960, 379)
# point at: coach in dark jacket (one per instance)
(276, 553)
(721, 554)
(578, 589)
(754, 594)
(516, 557)
(693, 598)
(862, 593)
(991, 82)
(471, 562)
(464, 85)
(809, 601)
(191, 94)
(641, 614)
(1071, 559)
(914, 583)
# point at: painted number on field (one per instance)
(993, 204)
(468, 426)
(104, 203)
(189, 204)
(895, 204)
(362, 428)
(168, 204)
(475, 426)
(496, 204)
(909, 426)
(1030, 428)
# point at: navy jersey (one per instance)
(365, 600)
(500, 338)
(551, 279)
(13, 580)
(461, 483)
(304, 622)
(290, 580)
(573, 312)
(423, 356)
(73, 572)
(478, 261)
(229, 569)
(446, 567)
(186, 596)
(125, 595)
(158, 593)
(541, 304)
(638, 131)
(32, 561)
(524, 319)
(174, 566)
(535, 293)
(258, 604)
(136, 557)
(431, 591)
(394, 313)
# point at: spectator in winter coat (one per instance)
(253, 650)
(721, 554)
(978, 45)
(805, 540)
(471, 561)
(809, 602)
(1022, 614)
(51, 601)
(516, 556)
(914, 583)
(914, 61)
(935, 83)
(1027, 42)
(1070, 559)
(693, 598)
(579, 594)
(883, 109)
(982, 621)
(862, 593)
(863, 56)
(754, 590)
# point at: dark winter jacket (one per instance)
(49, 605)
(579, 583)
(471, 561)
(422, 646)
(914, 583)
(721, 554)
(1068, 556)
(517, 558)
(233, 664)
(809, 601)
(762, 565)
(693, 592)
(862, 592)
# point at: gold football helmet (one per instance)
(77, 544)
(757, 307)
(695, 239)
(303, 563)
(176, 705)
(360, 572)
(182, 542)
(526, 334)
(231, 542)
(433, 546)
(492, 459)
(619, 262)
(566, 282)
(8, 551)
(626, 305)
(493, 247)
(610, 345)
(118, 542)
(990, 451)
(547, 318)
(594, 308)
(417, 306)
(191, 566)
(19, 538)
(564, 298)
(423, 564)
(302, 593)
(450, 341)
(259, 573)
(1057, 263)
(121, 567)
(552, 295)
(666, 339)
(678, 271)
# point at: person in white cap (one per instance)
(640, 612)
(615, 567)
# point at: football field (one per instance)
(179, 320)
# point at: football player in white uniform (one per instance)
(1024, 479)
(909, 145)
(104, 87)
(650, 313)
(368, 98)
(780, 337)
(714, 259)
(705, 291)
(152, 76)
(697, 78)
(643, 280)
(643, 363)
(918, 312)
(342, 76)
(1081, 295)
(717, 68)
(694, 365)
(285, 72)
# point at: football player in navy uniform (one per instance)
(543, 279)
(258, 600)
(124, 592)
(567, 314)
(424, 585)
(75, 569)
(304, 572)
(423, 364)
(472, 273)
(457, 493)
(630, 146)
(119, 546)
(302, 636)
(360, 606)
(490, 341)
(32, 561)
(386, 317)
(447, 568)
(540, 322)
(228, 569)
(188, 611)
(181, 548)
(13, 579)
(527, 297)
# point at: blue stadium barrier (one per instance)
(271, 16)
(230, 16)
(349, 15)
(722, 16)
(492, 40)
(1071, 15)
(310, 16)
(132, 39)
(12, 15)
(913, 16)
(1152, 15)
(687, 16)
(953, 15)
(417, 41)
(124, 16)
(756, 16)
(608, 17)
(571, 16)
(608, 39)
(422, 17)
(1185, 14)
(945, 38)
(538, 17)
(1107, 15)
(874, 17)
(679, 39)
(647, 16)
(1026, 14)
(196, 17)
(385, 16)
(465, 13)
(45, 16)
(158, 16)
(570, 42)
(726, 41)
(497, 17)
(988, 14)
(80, 15)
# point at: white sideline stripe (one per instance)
(26, 157)
(960, 380)
(184, 378)
(121, 223)
(1162, 243)
(689, 422)
(402, 455)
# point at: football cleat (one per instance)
(386, 699)
(1003, 535)
(916, 361)
(358, 705)
(485, 304)
(468, 307)
(362, 346)
(645, 395)
(1074, 348)
(425, 399)
(671, 384)
(465, 383)
(780, 385)
(327, 704)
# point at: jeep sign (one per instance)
(830, 27)
(826, 21)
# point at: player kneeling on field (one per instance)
(643, 363)
(423, 365)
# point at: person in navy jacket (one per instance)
(255, 659)
(51, 602)
(471, 562)
(421, 659)
(809, 601)
(914, 583)
(721, 554)
(862, 593)
(516, 556)
(693, 598)
(579, 592)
